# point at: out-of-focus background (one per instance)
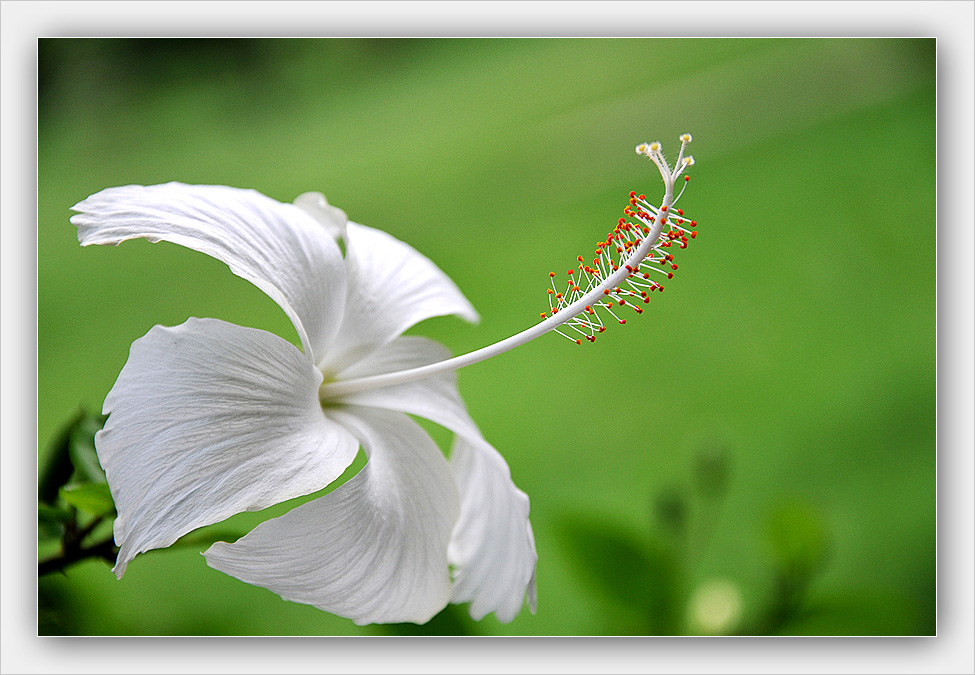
(755, 454)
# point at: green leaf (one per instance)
(50, 521)
(93, 498)
(82, 448)
(58, 470)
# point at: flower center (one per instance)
(628, 265)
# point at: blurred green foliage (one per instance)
(775, 410)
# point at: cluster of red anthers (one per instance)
(644, 276)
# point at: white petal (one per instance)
(375, 549)
(391, 287)
(492, 548)
(278, 247)
(331, 218)
(209, 419)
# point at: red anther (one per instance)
(543, 315)
(558, 296)
(680, 221)
(622, 220)
(591, 338)
(579, 258)
(651, 219)
(622, 321)
(693, 223)
(628, 268)
(605, 291)
(643, 197)
(673, 266)
(575, 288)
(686, 178)
(683, 244)
(646, 230)
(551, 274)
(663, 208)
(638, 310)
(633, 193)
(555, 311)
(646, 275)
(602, 329)
(609, 304)
(670, 275)
(645, 300)
(622, 301)
(632, 202)
(578, 342)
(550, 291)
(693, 235)
(661, 288)
(669, 256)
(570, 272)
(680, 212)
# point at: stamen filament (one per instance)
(610, 274)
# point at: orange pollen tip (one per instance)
(622, 321)
(551, 274)
(686, 178)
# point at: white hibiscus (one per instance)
(208, 419)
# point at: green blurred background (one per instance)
(755, 454)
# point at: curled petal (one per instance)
(278, 247)
(333, 219)
(391, 287)
(492, 547)
(209, 419)
(375, 549)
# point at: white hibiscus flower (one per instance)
(209, 419)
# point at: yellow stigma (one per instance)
(685, 138)
(655, 147)
(641, 149)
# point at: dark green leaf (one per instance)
(59, 468)
(82, 448)
(50, 521)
